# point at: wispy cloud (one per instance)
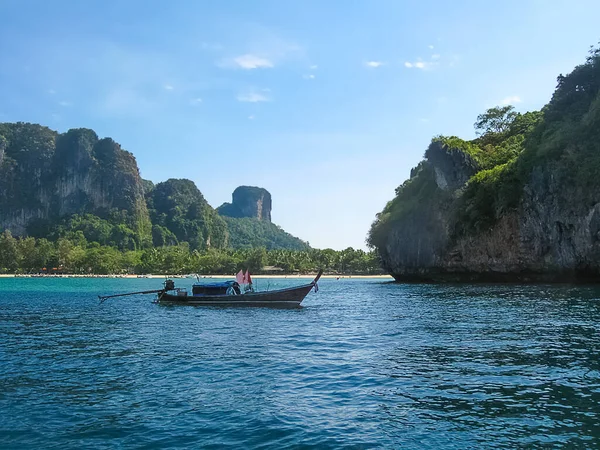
(511, 100)
(423, 65)
(250, 117)
(247, 62)
(435, 56)
(430, 47)
(51, 91)
(254, 96)
(262, 48)
(195, 101)
(314, 67)
(169, 87)
(308, 77)
(65, 103)
(374, 64)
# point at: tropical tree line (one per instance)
(29, 255)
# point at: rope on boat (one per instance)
(103, 298)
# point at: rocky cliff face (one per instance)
(45, 175)
(550, 237)
(534, 216)
(248, 201)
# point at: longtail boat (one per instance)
(228, 293)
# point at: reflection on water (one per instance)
(363, 364)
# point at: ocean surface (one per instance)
(363, 364)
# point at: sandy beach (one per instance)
(202, 277)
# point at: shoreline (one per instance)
(202, 277)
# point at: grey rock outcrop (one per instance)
(248, 201)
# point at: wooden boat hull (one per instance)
(290, 297)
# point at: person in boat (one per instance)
(236, 288)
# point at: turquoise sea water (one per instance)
(364, 364)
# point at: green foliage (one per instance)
(453, 143)
(487, 196)
(251, 233)
(87, 227)
(31, 255)
(495, 120)
(10, 257)
(420, 191)
(43, 171)
(180, 213)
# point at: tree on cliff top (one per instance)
(495, 120)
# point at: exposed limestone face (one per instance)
(248, 201)
(46, 175)
(3, 145)
(452, 168)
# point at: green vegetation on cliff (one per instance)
(415, 194)
(180, 213)
(473, 184)
(564, 134)
(249, 233)
(45, 177)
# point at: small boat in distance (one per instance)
(228, 293)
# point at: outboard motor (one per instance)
(169, 285)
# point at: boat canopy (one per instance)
(218, 288)
(217, 285)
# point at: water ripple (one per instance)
(363, 364)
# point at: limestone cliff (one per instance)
(248, 201)
(45, 176)
(521, 204)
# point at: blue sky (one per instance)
(327, 104)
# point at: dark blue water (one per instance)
(364, 364)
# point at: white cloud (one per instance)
(65, 103)
(423, 120)
(308, 77)
(435, 56)
(248, 62)
(373, 64)
(168, 87)
(313, 67)
(430, 47)
(195, 101)
(253, 97)
(251, 117)
(511, 100)
(423, 65)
